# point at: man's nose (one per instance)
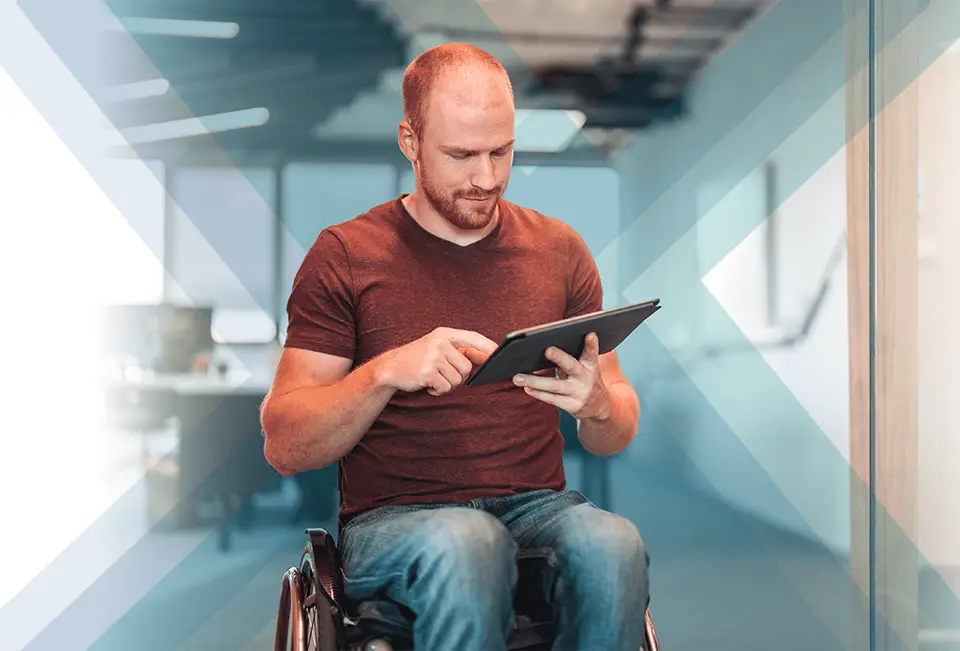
(484, 177)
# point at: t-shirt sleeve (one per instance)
(320, 310)
(585, 293)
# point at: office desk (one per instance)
(233, 382)
(216, 456)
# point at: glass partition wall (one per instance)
(902, 166)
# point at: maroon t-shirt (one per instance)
(380, 281)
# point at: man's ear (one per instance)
(407, 140)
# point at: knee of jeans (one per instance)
(469, 542)
(609, 539)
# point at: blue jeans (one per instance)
(454, 567)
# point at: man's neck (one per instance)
(433, 222)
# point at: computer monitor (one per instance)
(161, 337)
(186, 332)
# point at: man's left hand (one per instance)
(580, 390)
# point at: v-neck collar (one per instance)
(412, 227)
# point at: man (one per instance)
(442, 484)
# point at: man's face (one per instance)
(466, 149)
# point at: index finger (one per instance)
(591, 348)
(475, 356)
(468, 339)
(564, 361)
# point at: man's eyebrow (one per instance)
(460, 150)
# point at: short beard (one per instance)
(448, 208)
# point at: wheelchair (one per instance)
(311, 615)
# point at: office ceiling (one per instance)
(328, 73)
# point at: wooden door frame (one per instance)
(882, 213)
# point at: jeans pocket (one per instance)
(355, 527)
(369, 517)
(541, 510)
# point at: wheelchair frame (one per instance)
(311, 616)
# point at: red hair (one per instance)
(422, 75)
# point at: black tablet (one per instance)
(523, 351)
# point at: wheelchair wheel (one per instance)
(651, 642)
(305, 619)
(321, 618)
(290, 623)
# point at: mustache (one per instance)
(465, 195)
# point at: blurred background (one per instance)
(177, 158)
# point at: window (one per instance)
(318, 195)
(586, 198)
(222, 251)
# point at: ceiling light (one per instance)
(546, 130)
(174, 27)
(188, 127)
(138, 90)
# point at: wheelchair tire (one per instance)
(322, 619)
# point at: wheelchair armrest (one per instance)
(326, 557)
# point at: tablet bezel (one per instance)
(646, 308)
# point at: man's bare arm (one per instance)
(317, 410)
(612, 432)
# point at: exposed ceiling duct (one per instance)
(328, 73)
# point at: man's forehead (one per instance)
(471, 125)
(473, 130)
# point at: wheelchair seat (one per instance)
(314, 615)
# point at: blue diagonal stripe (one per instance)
(790, 35)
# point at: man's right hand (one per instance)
(438, 362)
